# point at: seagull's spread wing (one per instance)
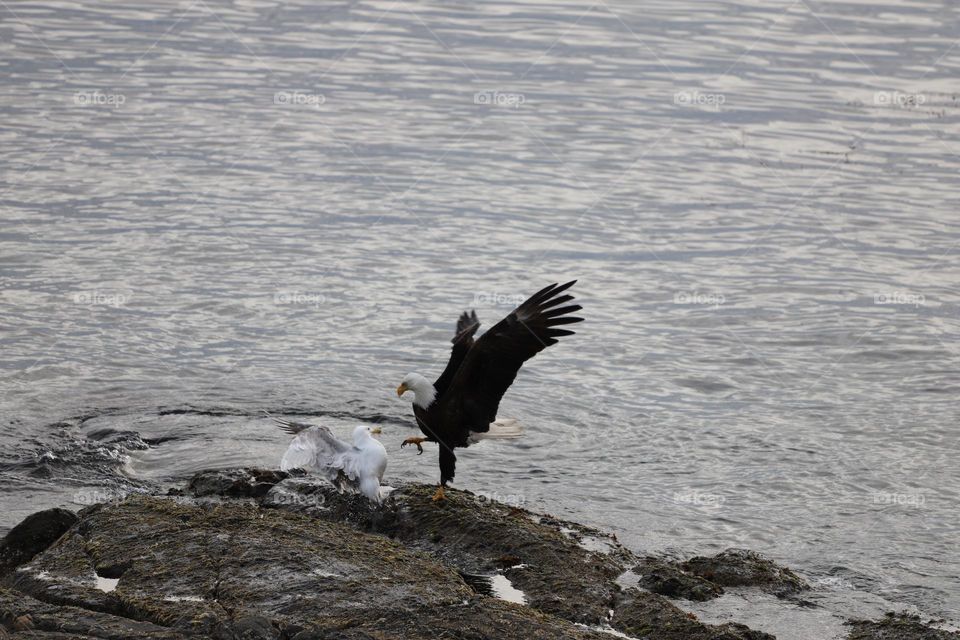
(315, 448)
(289, 426)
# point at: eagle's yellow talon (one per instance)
(415, 441)
(439, 495)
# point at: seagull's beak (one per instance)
(376, 431)
(402, 389)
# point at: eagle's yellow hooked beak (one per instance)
(402, 389)
(376, 431)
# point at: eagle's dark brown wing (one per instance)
(467, 325)
(471, 400)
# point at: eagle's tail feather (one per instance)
(502, 429)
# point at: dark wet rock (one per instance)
(37, 532)
(260, 554)
(235, 570)
(703, 578)
(666, 578)
(650, 616)
(563, 568)
(897, 627)
(473, 535)
(26, 617)
(744, 568)
(235, 483)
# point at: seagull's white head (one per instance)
(363, 432)
(423, 391)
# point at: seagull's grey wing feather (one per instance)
(347, 467)
(314, 448)
(289, 426)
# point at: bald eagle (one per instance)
(461, 405)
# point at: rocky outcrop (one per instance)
(27, 617)
(741, 567)
(647, 615)
(704, 577)
(666, 578)
(262, 554)
(897, 627)
(37, 532)
(236, 570)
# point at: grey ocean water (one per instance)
(212, 208)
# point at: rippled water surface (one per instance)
(214, 208)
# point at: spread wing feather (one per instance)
(315, 448)
(467, 325)
(289, 426)
(491, 364)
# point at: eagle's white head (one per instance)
(423, 390)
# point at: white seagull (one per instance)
(354, 468)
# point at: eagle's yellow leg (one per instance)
(415, 441)
(439, 495)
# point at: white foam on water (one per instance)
(588, 542)
(504, 589)
(603, 628)
(628, 579)
(106, 584)
(765, 612)
(325, 574)
(593, 543)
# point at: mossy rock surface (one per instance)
(34, 534)
(898, 627)
(233, 569)
(25, 617)
(666, 578)
(650, 616)
(253, 553)
(745, 568)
